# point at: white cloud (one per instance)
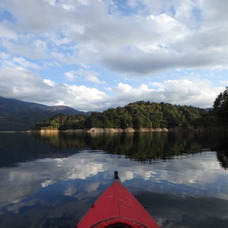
(24, 63)
(51, 2)
(94, 79)
(184, 91)
(83, 73)
(33, 15)
(3, 56)
(27, 46)
(125, 90)
(19, 83)
(22, 84)
(6, 32)
(49, 82)
(146, 38)
(71, 75)
(156, 42)
(196, 92)
(224, 83)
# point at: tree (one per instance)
(218, 102)
(220, 105)
(125, 121)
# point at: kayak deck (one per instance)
(117, 207)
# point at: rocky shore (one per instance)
(99, 130)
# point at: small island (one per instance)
(138, 116)
(142, 116)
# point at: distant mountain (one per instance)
(21, 115)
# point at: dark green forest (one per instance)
(220, 107)
(135, 115)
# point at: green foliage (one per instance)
(220, 106)
(62, 122)
(134, 115)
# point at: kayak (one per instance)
(117, 207)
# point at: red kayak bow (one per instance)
(117, 207)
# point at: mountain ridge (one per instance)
(21, 115)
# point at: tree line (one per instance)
(135, 115)
(220, 107)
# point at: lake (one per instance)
(52, 180)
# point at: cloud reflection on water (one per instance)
(47, 188)
(193, 174)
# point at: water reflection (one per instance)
(80, 178)
(52, 180)
(189, 174)
(143, 146)
(16, 148)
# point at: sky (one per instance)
(98, 54)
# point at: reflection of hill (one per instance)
(64, 141)
(139, 146)
(142, 146)
(21, 147)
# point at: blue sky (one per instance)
(98, 54)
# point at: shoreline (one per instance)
(197, 129)
(13, 132)
(88, 131)
(98, 131)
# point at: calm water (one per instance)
(51, 181)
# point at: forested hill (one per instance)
(134, 115)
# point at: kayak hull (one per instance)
(117, 206)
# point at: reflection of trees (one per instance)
(223, 159)
(216, 142)
(142, 146)
(221, 147)
(63, 141)
(138, 146)
(148, 146)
